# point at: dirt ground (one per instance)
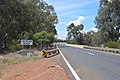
(43, 69)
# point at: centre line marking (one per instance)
(70, 67)
(91, 54)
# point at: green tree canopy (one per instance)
(108, 20)
(43, 38)
(20, 19)
(74, 32)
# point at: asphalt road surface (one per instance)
(92, 65)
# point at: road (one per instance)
(92, 65)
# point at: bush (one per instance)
(70, 42)
(15, 47)
(35, 58)
(0, 73)
(112, 44)
(118, 45)
(11, 61)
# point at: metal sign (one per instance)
(26, 42)
(44, 53)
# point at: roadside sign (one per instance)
(44, 53)
(26, 42)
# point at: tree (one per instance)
(13, 21)
(88, 38)
(108, 20)
(20, 19)
(92, 38)
(43, 38)
(74, 32)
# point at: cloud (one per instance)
(94, 29)
(78, 21)
(69, 11)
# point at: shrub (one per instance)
(0, 73)
(18, 74)
(118, 46)
(70, 42)
(11, 61)
(15, 47)
(35, 58)
(112, 44)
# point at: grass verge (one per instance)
(0, 73)
(11, 61)
(35, 58)
(19, 74)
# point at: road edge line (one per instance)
(69, 66)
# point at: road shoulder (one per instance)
(43, 69)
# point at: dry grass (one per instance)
(35, 58)
(0, 73)
(18, 74)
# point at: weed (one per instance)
(11, 61)
(35, 58)
(19, 74)
(0, 73)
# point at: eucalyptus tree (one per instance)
(43, 16)
(75, 32)
(20, 19)
(108, 20)
(14, 19)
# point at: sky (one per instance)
(74, 11)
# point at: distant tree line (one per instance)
(21, 19)
(107, 22)
(60, 40)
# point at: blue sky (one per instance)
(74, 11)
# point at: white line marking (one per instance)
(70, 67)
(91, 54)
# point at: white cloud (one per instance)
(69, 11)
(78, 21)
(94, 29)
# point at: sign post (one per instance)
(26, 42)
